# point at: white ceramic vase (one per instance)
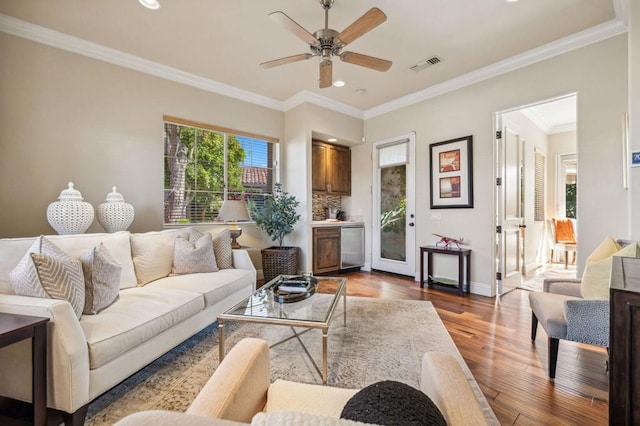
(70, 214)
(115, 214)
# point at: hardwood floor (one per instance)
(494, 339)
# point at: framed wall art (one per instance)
(451, 167)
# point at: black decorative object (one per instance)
(294, 289)
(392, 403)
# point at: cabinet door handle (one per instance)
(328, 187)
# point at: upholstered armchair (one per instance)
(578, 309)
(565, 315)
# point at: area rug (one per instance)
(551, 271)
(383, 340)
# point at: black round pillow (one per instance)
(392, 403)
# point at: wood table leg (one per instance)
(39, 376)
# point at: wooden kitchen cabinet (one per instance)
(326, 249)
(331, 168)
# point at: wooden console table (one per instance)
(15, 328)
(463, 254)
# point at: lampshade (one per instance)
(233, 210)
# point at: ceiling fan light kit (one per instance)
(327, 43)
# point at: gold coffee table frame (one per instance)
(262, 308)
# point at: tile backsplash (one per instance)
(321, 204)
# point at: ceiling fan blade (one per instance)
(287, 60)
(326, 73)
(295, 28)
(366, 61)
(361, 26)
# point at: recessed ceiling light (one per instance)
(512, 1)
(338, 83)
(150, 4)
(332, 140)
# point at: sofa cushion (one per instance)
(117, 243)
(46, 271)
(140, 314)
(194, 255)
(152, 253)
(222, 249)
(214, 286)
(101, 279)
(392, 403)
(597, 272)
(284, 395)
(13, 249)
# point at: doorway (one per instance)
(535, 158)
(393, 242)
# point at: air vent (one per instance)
(426, 63)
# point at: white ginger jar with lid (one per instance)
(70, 214)
(115, 214)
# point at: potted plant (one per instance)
(277, 220)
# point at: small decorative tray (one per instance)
(294, 289)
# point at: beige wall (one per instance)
(602, 98)
(70, 118)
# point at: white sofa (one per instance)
(88, 356)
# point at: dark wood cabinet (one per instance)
(331, 168)
(624, 342)
(326, 249)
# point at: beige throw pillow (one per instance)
(152, 253)
(222, 249)
(597, 272)
(46, 271)
(102, 275)
(194, 255)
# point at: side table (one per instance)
(463, 254)
(15, 328)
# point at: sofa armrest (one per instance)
(566, 286)
(241, 260)
(444, 381)
(237, 390)
(587, 321)
(67, 354)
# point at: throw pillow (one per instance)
(392, 403)
(222, 249)
(45, 271)
(101, 279)
(191, 257)
(597, 272)
(152, 253)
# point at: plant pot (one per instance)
(279, 261)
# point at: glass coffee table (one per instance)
(265, 306)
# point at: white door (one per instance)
(394, 240)
(510, 218)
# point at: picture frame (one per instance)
(451, 171)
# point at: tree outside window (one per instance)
(196, 180)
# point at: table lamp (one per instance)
(232, 211)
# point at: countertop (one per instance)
(315, 223)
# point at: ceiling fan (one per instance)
(327, 43)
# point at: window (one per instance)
(538, 214)
(204, 165)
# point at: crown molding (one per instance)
(39, 34)
(305, 96)
(621, 9)
(56, 39)
(535, 118)
(547, 51)
(563, 128)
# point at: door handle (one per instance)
(522, 226)
(411, 224)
